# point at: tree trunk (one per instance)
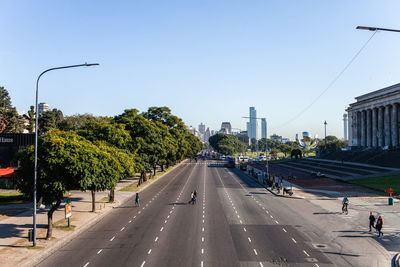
(50, 219)
(112, 196)
(144, 177)
(93, 201)
(162, 167)
(155, 170)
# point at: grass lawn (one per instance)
(10, 198)
(381, 183)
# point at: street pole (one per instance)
(325, 133)
(376, 29)
(36, 140)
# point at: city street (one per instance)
(235, 222)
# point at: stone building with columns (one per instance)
(374, 119)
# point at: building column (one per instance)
(358, 126)
(350, 125)
(387, 126)
(380, 127)
(395, 126)
(363, 129)
(368, 127)
(374, 127)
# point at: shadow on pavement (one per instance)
(342, 254)
(14, 230)
(327, 212)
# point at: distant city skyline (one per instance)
(207, 61)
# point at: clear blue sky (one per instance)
(207, 60)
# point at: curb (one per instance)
(49, 250)
(396, 260)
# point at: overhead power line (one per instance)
(330, 84)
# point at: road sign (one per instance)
(68, 210)
(389, 191)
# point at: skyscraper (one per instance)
(202, 128)
(252, 125)
(263, 128)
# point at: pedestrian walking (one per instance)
(379, 225)
(137, 199)
(371, 221)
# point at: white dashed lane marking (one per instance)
(98, 252)
(112, 238)
(294, 240)
(86, 264)
(122, 229)
(284, 230)
(143, 263)
(149, 251)
(155, 240)
(249, 239)
(255, 251)
(305, 252)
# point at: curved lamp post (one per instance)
(36, 139)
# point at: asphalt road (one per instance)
(235, 222)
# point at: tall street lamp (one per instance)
(376, 29)
(325, 123)
(36, 140)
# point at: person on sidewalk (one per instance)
(379, 225)
(371, 221)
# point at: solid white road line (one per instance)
(305, 252)
(112, 238)
(98, 252)
(294, 240)
(86, 264)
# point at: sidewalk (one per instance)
(14, 245)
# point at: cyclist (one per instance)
(137, 200)
(345, 203)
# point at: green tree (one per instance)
(31, 118)
(50, 120)
(77, 122)
(10, 121)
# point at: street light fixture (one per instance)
(375, 29)
(36, 140)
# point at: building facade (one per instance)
(202, 128)
(43, 107)
(226, 127)
(252, 125)
(263, 128)
(374, 119)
